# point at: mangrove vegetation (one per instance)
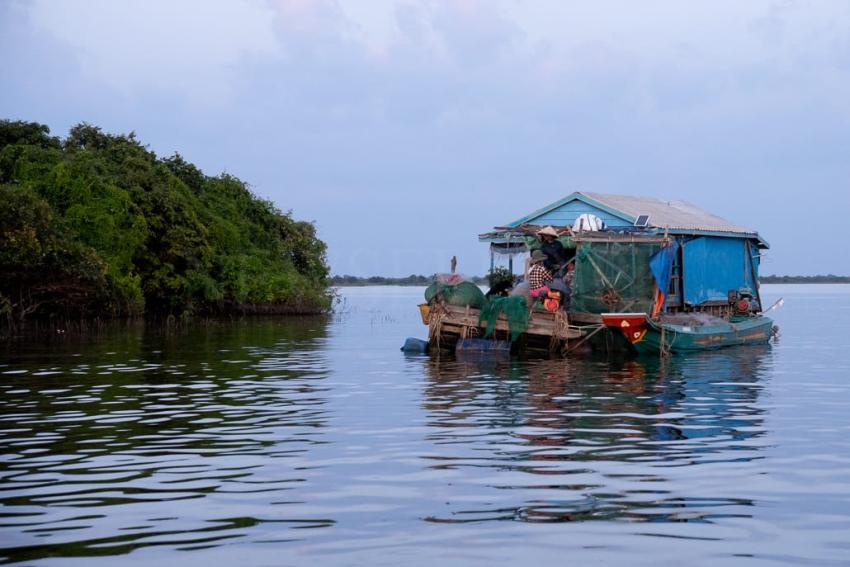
(97, 226)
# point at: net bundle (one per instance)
(461, 294)
(515, 310)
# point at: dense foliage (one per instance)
(97, 225)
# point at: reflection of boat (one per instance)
(646, 335)
(583, 439)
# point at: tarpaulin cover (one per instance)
(461, 294)
(661, 264)
(533, 243)
(713, 266)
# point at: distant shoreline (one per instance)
(419, 280)
(829, 279)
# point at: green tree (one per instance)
(143, 234)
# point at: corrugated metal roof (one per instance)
(675, 215)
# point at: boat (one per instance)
(545, 331)
(650, 276)
(649, 336)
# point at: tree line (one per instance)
(96, 225)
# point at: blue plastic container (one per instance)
(414, 346)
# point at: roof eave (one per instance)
(762, 243)
(574, 196)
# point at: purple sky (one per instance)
(406, 127)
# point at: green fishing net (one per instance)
(460, 294)
(515, 310)
(613, 277)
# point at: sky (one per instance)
(404, 128)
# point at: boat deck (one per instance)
(546, 330)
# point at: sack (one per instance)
(553, 301)
(588, 222)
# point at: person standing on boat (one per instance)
(556, 255)
(538, 275)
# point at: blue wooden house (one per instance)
(714, 257)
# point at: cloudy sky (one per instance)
(404, 128)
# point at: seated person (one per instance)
(569, 276)
(557, 255)
(564, 285)
(538, 275)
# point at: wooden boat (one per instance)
(546, 330)
(646, 335)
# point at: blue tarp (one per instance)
(714, 265)
(661, 264)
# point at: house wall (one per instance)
(567, 214)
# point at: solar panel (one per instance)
(642, 221)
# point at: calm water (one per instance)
(316, 441)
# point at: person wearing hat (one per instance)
(556, 256)
(538, 275)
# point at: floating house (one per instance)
(714, 257)
(649, 276)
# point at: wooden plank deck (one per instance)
(463, 322)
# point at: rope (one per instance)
(586, 337)
(435, 324)
(560, 335)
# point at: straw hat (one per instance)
(538, 256)
(548, 231)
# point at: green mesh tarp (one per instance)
(567, 241)
(515, 310)
(461, 294)
(613, 277)
(533, 243)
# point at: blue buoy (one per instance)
(415, 346)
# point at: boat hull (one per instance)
(652, 337)
(679, 338)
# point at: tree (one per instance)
(130, 232)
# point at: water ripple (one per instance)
(233, 442)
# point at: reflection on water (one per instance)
(316, 441)
(109, 449)
(592, 439)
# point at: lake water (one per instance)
(316, 442)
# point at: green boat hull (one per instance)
(682, 338)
